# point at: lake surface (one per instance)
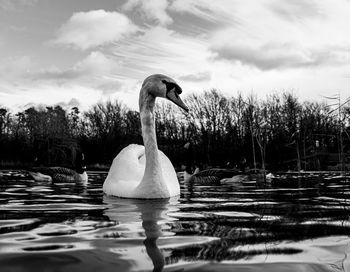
(290, 224)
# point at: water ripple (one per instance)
(234, 226)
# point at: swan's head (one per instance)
(163, 86)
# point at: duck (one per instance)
(61, 174)
(206, 176)
(143, 171)
(212, 175)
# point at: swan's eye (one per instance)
(172, 85)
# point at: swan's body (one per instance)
(144, 171)
(127, 170)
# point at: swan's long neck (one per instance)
(149, 137)
(152, 180)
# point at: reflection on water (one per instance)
(150, 214)
(288, 224)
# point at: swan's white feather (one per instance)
(127, 170)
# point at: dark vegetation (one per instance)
(278, 133)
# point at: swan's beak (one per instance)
(173, 96)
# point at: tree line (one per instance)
(278, 132)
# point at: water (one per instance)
(242, 225)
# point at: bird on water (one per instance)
(144, 171)
(61, 174)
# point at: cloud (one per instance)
(198, 77)
(94, 71)
(94, 65)
(15, 67)
(212, 11)
(264, 57)
(90, 29)
(67, 105)
(70, 104)
(49, 94)
(16, 4)
(288, 35)
(22, 81)
(154, 10)
(225, 44)
(297, 9)
(160, 50)
(281, 56)
(18, 28)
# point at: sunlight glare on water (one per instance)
(243, 225)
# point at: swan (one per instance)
(144, 171)
(61, 174)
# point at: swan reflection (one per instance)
(145, 217)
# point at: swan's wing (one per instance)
(169, 175)
(126, 171)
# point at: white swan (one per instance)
(144, 171)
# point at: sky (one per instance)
(77, 53)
